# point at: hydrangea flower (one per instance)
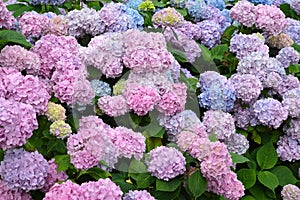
(113, 106)
(167, 17)
(53, 176)
(211, 33)
(138, 195)
(292, 129)
(189, 29)
(83, 91)
(220, 4)
(290, 192)
(129, 143)
(243, 45)
(146, 5)
(17, 121)
(291, 102)
(288, 149)
(18, 57)
(264, 2)
(195, 8)
(219, 123)
(248, 87)
(60, 129)
(270, 112)
(24, 170)
(295, 5)
(277, 3)
(244, 13)
(119, 87)
(288, 56)
(270, 19)
(166, 163)
(134, 4)
(100, 88)
(244, 117)
(66, 190)
(287, 83)
(237, 143)
(86, 21)
(55, 112)
(58, 26)
(8, 194)
(293, 30)
(280, 41)
(6, 20)
(33, 24)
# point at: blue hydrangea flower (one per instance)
(220, 4)
(100, 88)
(134, 4)
(265, 2)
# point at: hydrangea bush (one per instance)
(144, 100)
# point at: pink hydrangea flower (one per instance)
(6, 18)
(113, 106)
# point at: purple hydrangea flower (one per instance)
(270, 112)
(166, 163)
(8, 194)
(293, 29)
(288, 149)
(287, 83)
(295, 5)
(237, 143)
(288, 56)
(244, 117)
(244, 13)
(211, 33)
(293, 129)
(290, 192)
(24, 170)
(138, 195)
(291, 102)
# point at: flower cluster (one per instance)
(24, 170)
(243, 45)
(288, 148)
(295, 5)
(211, 33)
(8, 194)
(113, 106)
(138, 195)
(270, 112)
(55, 112)
(60, 129)
(290, 192)
(291, 102)
(100, 88)
(288, 56)
(166, 163)
(243, 12)
(6, 20)
(167, 17)
(292, 130)
(237, 143)
(293, 29)
(101, 189)
(280, 41)
(216, 92)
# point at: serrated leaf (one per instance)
(218, 51)
(9, 36)
(267, 156)
(196, 184)
(258, 192)
(21, 10)
(168, 186)
(144, 180)
(236, 158)
(284, 174)
(268, 179)
(63, 162)
(247, 177)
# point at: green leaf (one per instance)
(179, 55)
(248, 198)
(21, 10)
(191, 83)
(136, 167)
(258, 192)
(1, 154)
(168, 186)
(183, 12)
(159, 195)
(268, 179)
(236, 158)
(293, 69)
(284, 175)
(125, 187)
(13, 7)
(98, 173)
(227, 34)
(196, 184)
(9, 36)
(218, 51)
(267, 156)
(247, 177)
(296, 47)
(63, 162)
(212, 137)
(144, 180)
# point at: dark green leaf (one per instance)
(196, 184)
(125, 187)
(21, 10)
(63, 162)
(268, 179)
(137, 167)
(9, 36)
(293, 69)
(267, 156)
(218, 51)
(13, 7)
(296, 47)
(284, 175)
(258, 192)
(159, 195)
(144, 180)
(168, 186)
(236, 158)
(248, 198)
(227, 34)
(247, 177)
(183, 12)
(98, 173)
(179, 55)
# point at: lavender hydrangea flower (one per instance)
(244, 117)
(270, 112)
(288, 56)
(295, 5)
(211, 33)
(237, 143)
(244, 13)
(290, 192)
(24, 170)
(138, 195)
(219, 123)
(277, 3)
(66, 190)
(6, 20)
(8, 194)
(287, 83)
(293, 129)
(288, 149)
(243, 45)
(248, 87)
(166, 163)
(293, 29)
(291, 102)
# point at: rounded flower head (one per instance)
(55, 112)
(270, 112)
(142, 99)
(58, 26)
(166, 163)
(288, 149)
(17, 122)
(66, 190)
(24, 170)
(8, 194)
(244, 13)
(119, 87)
(138, 195)
(248, 87)
(287, 83)
(219, 123)
(60, 129)
(146, 6)
(113, 106)
(288, 56)
(292, 130)
(237, 143)
(295, 5)
(291, 102)
(167, 17)
(53, 176)
(292, 29)
(211, 33)
(280, 41)
(6, 18)
(290, 192)
(100, 88)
